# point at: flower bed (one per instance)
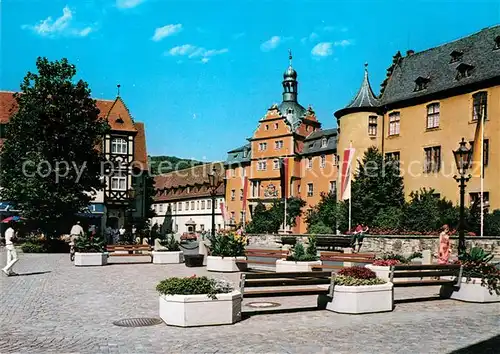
(198, 301)
(300, 259)
(227, 249)
(170, 254)
(89, 251)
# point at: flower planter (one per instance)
(292, 266)
(384, 273)
(164, 257)
(225, 264)
(200, 310)
(90, 259)
(193, 260)
(361, 299)
(472, 291)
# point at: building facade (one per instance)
(287, 132)
(429, 101)
(124, 147)
(183, 200)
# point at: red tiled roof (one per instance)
(140, 151)
(8, 105)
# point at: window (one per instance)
(497, 43)
(333, 187)
(479, 105)
(197, 205)
(278, 144)
(262, 146)
(202, 205)
(192, 205)
(175, 206)
(186, 205)
(432, 159)
(267, 126)
(209, 204)
(433, 115)
(324, 142)
(475, 197)
(118, 146)
(309, 162)
(310, 189)
(421, 83)
(179, 206)
(202, 227)
(233, 192)
(393, 158)
(276, 164)
(298, 189)
(463, 71)
(241, 194)
(323, 161)
(275, 126)
(161, 208)
(255, 188)
(372, 125)
(486, 150)
(245, 153)
(119, 183)
(456, 56)
(394, 120)
(261, 166)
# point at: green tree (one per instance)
(51, 158)
(271, 220)
(425, 211)
(377, 185)
(322, 218)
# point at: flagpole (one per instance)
(482, 174)
(284, 222)
(350, 194)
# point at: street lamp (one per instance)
(462, 159)
(214, 184)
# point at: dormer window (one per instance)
(324, 142)
(497, 43)
(290, 111)
(245, 153)
(421, 83)
(456, 55)
(463, 71)
(119, 120)
(118, 146)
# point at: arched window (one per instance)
(119, 146)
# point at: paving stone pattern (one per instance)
(66, 309)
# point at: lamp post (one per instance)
(130, 209)
(462, 159)
(214, 184)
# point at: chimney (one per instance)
(410, 52)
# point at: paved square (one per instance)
(65, 309)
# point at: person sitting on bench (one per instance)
(358, 235)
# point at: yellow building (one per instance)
(429, 101)
(287, 131)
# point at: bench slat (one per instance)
(426, 266)
(284, 292)
(285, 282)
(265, 255)
(424, 274)
(326, 266)
(288, 275)
(129, 255)
(423, 283)
(255, 262)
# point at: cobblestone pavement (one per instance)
(65, 309)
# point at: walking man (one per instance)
(11, 251)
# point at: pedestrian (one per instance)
(76, 231)
(116, 236)
(108, 233)
(444, 245)
(357, 236)
(12, 259)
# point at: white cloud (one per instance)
(195, 52)
(311, 38)
(322, 49)
(271, 43)
(60, 26)
(343, 43)
(128, 4)
(165, 31)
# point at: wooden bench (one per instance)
(270, 256)
(426, 274)
(284, 284)
(131, 251)
(333, 242)
(341, 258)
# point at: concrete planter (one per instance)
(361, 299)
(292, 266)
(225, 264)
(472, 291)
(90, 259)
(383, 272)
(163, 257)
(200, 310)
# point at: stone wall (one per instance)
(402, 244)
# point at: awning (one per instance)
(7, 206)
(93, 210)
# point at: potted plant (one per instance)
(480, 278)
(227, 249)
(170, 253)
(358, 290)
(90, 251)
(198, 301)
(382, 265)
(300, 259)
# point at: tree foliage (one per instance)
(54, 136)
(166, 164)
(271, 220)
(322, 218)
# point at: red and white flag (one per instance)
(345, 176)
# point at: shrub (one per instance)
(227, 244)
(391, 217)
(299, 254)
(320, 228)
(194, 286)
(89, 244)
(170, 243)
(477, 255)
(399, 258)
(357, 272)
(32, 247)
(352, 281)
(477, 264)
(492, 223)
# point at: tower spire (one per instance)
(290, 81)
(118, 90)
(290, 56)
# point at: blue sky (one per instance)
(201, 73)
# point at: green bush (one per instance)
(170, 243)
(228, 244)
(351, 281)
(89, 244)
(492, 223)
(194, 286)
(33, 247)
(390, 217)
(320, 228)
(300, 254)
